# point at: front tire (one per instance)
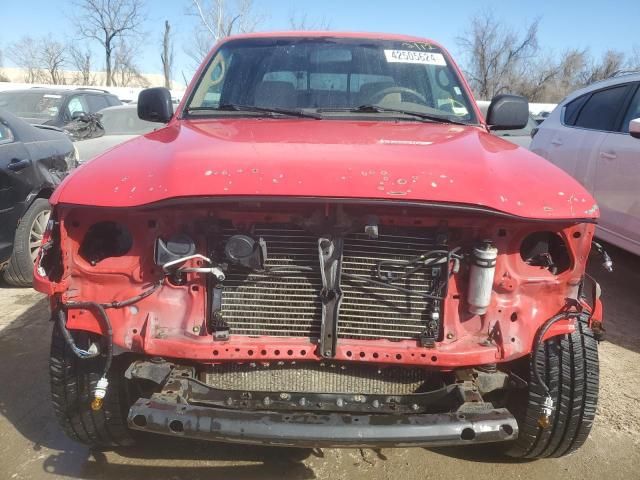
(569, 366)
(27, 241)
(72, 383)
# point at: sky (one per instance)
(564, 24)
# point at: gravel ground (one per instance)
(33, 447)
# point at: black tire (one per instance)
(19, 271)
(570, 366)
(72, 383)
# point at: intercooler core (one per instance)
(255, 303)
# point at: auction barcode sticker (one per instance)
(408, 56)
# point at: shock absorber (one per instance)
(483, 269)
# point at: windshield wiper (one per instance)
(233, 107)
(379, 109)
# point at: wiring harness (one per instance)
(92, 351)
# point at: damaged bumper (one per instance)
(323, 429)
(190, 408)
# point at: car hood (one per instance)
(36, 120)
(410, 161)
(87, 149)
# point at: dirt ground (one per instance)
(32, 445)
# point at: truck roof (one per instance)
(325, 33)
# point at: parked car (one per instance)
(55, 106)
(587, 136)
(541, 117)
(120, 124)
(33, 161)
(324, 246)
(521, 136)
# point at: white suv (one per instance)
(588, 136)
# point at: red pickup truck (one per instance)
(324, 246)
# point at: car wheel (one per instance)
(73, 381)
(570, 366)
(27, 242)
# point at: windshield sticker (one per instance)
(419, 46)
(407, 56)
(51, 95)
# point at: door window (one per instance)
(633, 112)
(601, 111)
(77, 104)
(572, 109)
(97, 102)
(6, 136)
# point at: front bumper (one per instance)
(321, 429)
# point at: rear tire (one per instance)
(28, 238)
(569, 366)
(72, 383)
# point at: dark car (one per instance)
(53, 106)
(33, 161)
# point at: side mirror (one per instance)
(154, 105)
(78, 116)
(634, 128)
(508, 112)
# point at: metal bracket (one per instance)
(330, 256)
(218, 325)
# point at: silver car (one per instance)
(120, 124)
(590, 135)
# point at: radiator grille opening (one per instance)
(288, 305)
(324, 377)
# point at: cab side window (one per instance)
(601, 111)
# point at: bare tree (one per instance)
(633, 63)
(534, 78)
(80, 60)
(300, 21)
(53, 57)
(107, 22)
(125, 72)
(218, 19)
(495, 53)
(3, 77)
(25, 53)
(167, 54)
(612, 63)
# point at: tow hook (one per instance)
(607, 263)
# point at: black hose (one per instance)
(390, 285)
(100, 309)
(538, 341)
(416, 263)
(132, 300)
(106, 325)
(62, 323)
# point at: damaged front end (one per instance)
(317, 323)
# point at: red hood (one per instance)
(328, 158)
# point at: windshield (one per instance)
(330, 75)
(124, 121)
(38, 105)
